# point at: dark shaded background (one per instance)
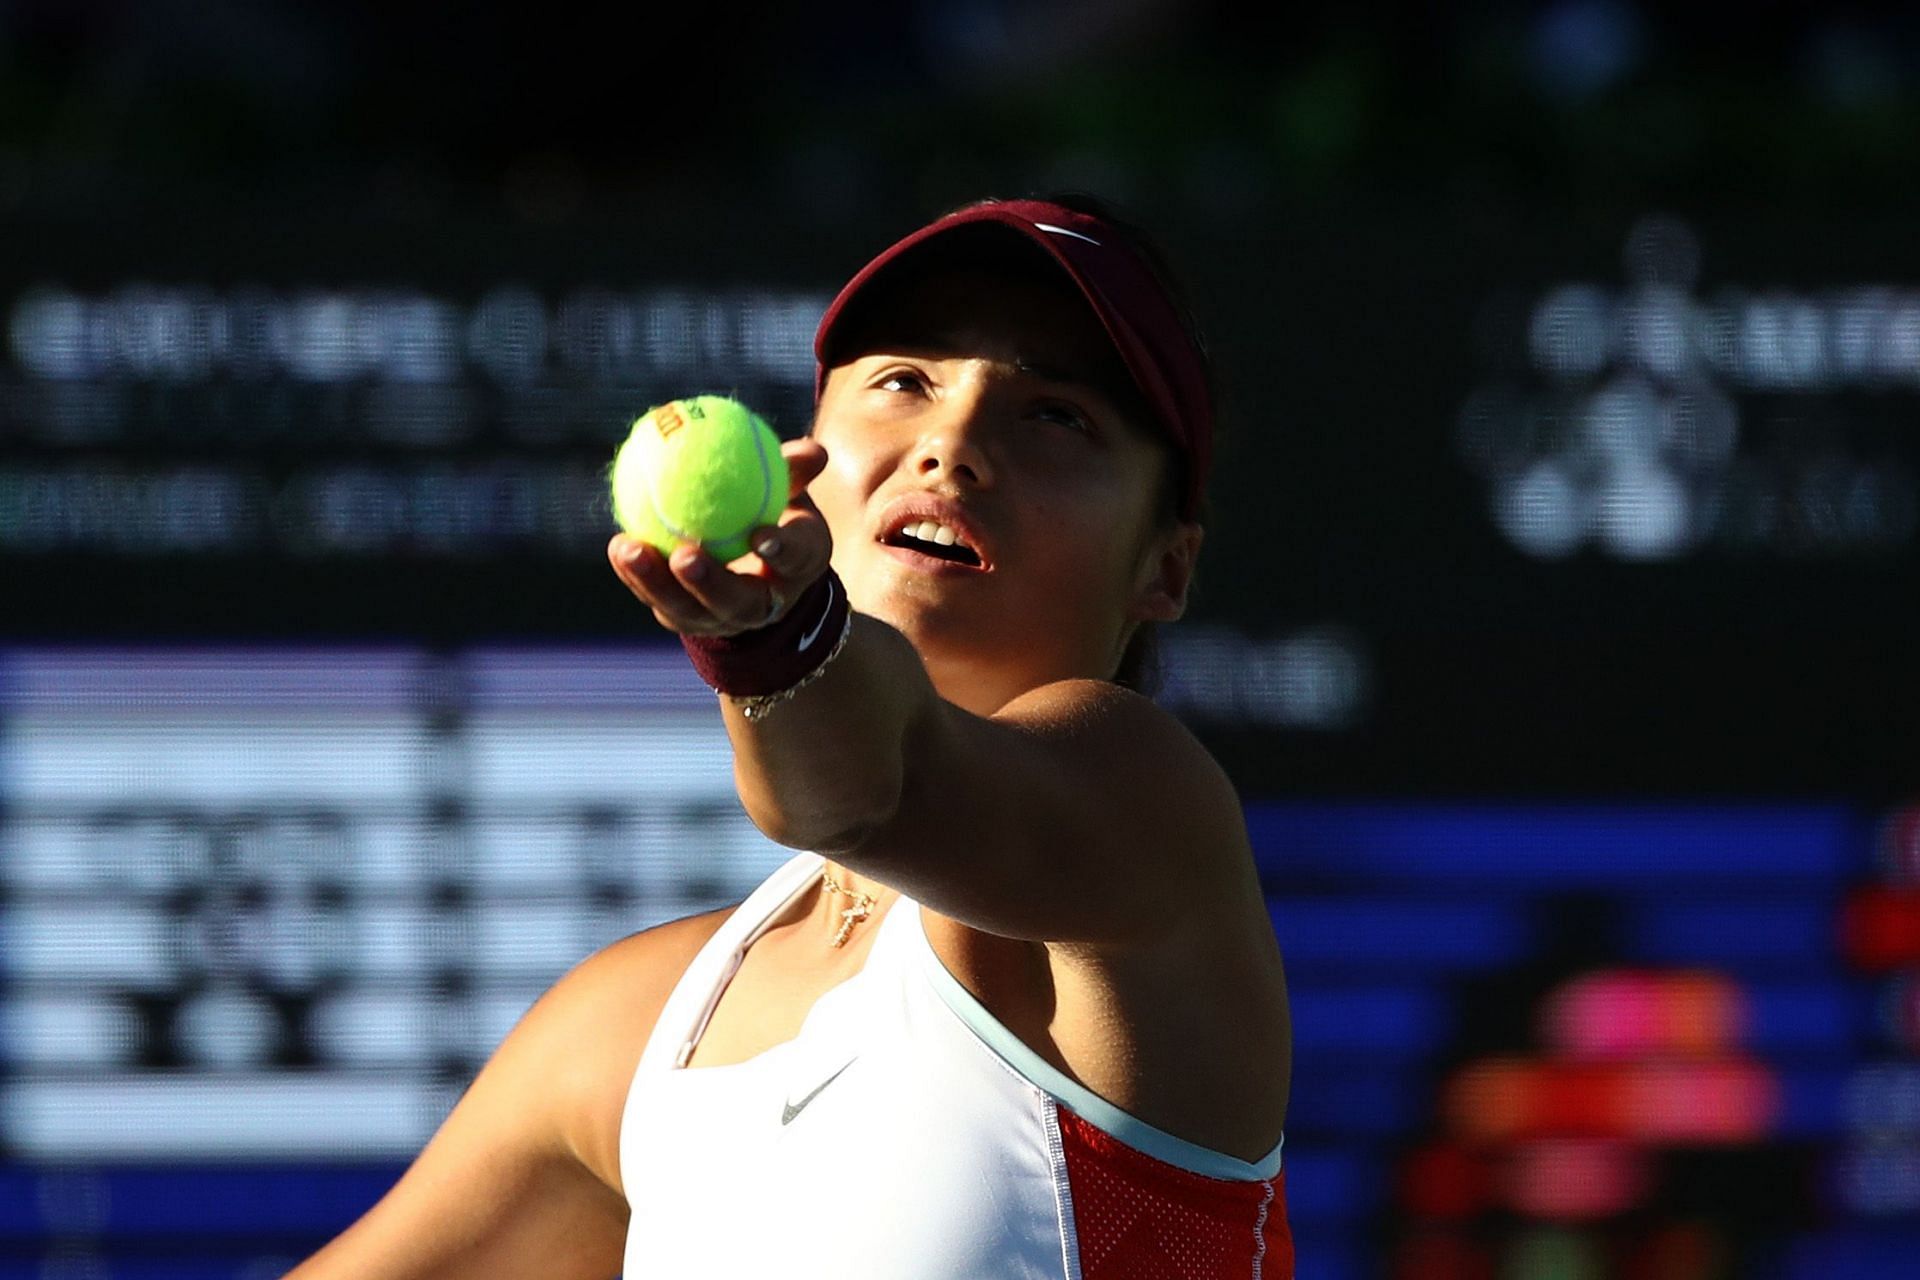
(1353, 196)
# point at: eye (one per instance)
(904, 380)
(1067, 415)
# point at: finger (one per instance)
(646, 573)
(796, 550)
(627, 554)
(733, 601)
(806, 459)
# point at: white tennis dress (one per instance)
(905, 1134)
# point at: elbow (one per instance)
(836, 840)
(828, 825)
(850, 844)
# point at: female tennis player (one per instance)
(1017, 1010)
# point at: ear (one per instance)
(1166, 572)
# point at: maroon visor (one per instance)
(1122, 290)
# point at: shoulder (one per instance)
(1142, 766)
(523, 1177)
(1134, 734)
(1063, 817)
(641, 962)
(581, 1042)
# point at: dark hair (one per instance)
(1140, 663)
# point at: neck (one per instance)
(857, 883)
(851, 905)
(983, 688)
(984, 682)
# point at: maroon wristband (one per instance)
(779, 655)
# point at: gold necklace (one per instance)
(862, 906)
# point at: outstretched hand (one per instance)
(692, 593)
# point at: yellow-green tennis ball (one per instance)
(705, 469)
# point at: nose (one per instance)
(953, 444)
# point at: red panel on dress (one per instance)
(1139, 1218)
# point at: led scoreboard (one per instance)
(284, 902)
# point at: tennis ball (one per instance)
(704, 469)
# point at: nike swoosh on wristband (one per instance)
(791, 1109)
(806, 641)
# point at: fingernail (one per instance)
(696, 570)
(769, 547)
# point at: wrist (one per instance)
(777, 658)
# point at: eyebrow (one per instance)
(1056, 373)
(1117, 397)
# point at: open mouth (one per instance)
(931, 538)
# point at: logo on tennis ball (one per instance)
(704, 469)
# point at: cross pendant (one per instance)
(850, 917)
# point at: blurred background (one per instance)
(1557, 619)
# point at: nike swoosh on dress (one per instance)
(789, 1110)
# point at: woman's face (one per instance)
(994, 406)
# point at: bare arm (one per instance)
(522, 1180)
(1077, 812)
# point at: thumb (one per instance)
(806, 459)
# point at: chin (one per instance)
(954, 627)
(881, 589)
(923, 616)
(938, 623)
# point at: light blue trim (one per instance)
(1079, 1099)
